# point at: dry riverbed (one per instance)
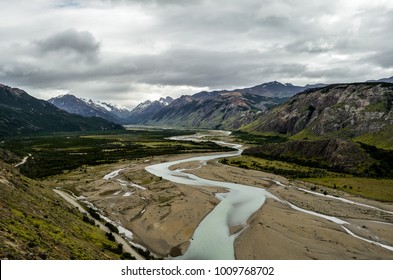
(163, 215)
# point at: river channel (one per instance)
(213, 238)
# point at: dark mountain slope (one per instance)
(323, 125)
(218, 110)
(74, 105)
(344, 111)
(146, 110)
(21, 113)
(90, 108)
(221, 109)
(35, 223)
(276, 89)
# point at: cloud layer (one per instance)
(128, 51)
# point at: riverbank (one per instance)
(119, 239)
(276, 231)
(163, 217)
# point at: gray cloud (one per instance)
(382, 59)
(313, 46)
(80, 45)
(126, 50)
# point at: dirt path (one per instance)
(118, 238)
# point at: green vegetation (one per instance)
(145, 253)
(372, 188)
(35, 223)
(380, 106)
(22, 114)
(94, 213)
(56, 153)
(333, 155)
(384, 167)
(363, 166)
(382, 139)
(112, 227)
(286, 169)
(258, 139)
(306, 134)
(378, 189)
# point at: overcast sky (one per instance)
(126, 52)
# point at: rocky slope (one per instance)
(35, 223)
(344, 128)
(217, 110)
(277, 89)
(350, 111)
(332, 154)
(90, 108)
(224, 109)
(146, 110)
(21, 113)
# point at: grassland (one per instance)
(380, 189)
(289, 170)
(35, 223)
(383, 139)
(57, 153)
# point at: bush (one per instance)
(86, 219)
(110, 236)
(94, 214)
(112, 227)
(127, 256)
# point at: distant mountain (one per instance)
(270, 89)
(277, 89)
(213, 110)
(384, 80)
(361, 111)
(146, 109)
(224, 109)
(90, 108)
(115, 110)
(21, 113)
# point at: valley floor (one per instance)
(277, 231)
(163, 215)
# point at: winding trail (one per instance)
(119, 239)
(23, 161)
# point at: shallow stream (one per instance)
(212, 238)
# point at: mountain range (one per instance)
(344, 128)
(363, 110)
(90, 108)
(21, 113)
(225, 109)
(146, 109)
(383, 80)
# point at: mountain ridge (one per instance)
(23, 114)
(37, 224)
(90, 108)
(222, 109)
(168, 112)
(342, 127)
(340, 110)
